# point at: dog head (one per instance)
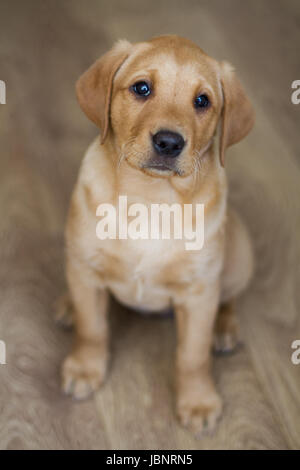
(161, 102)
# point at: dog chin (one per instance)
(158, 171)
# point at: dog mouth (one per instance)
(161, 166)
(160, 170)
(155, 165)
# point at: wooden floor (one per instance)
(44, 46)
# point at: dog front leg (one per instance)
(198, 404)
(84, 369)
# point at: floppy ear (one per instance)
(94, 87)
(238, 114)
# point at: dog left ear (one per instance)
(238, 115)
(94, 87)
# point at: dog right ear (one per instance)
(238, 115)
(94, 87)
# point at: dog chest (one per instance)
(146, 274)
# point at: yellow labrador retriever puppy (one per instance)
(167, 112)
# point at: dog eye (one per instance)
(201, 101)
(141, 88)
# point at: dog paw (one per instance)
(226, 343)
(83, 371)
(226, 334)
(199, 419)
(64, 311)
(199, 411)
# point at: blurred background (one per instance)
(44, 47)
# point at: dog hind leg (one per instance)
(237, 272)
(64, 311)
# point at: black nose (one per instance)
(167, 143)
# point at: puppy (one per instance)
(167, 113)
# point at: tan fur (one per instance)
(157, 274)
